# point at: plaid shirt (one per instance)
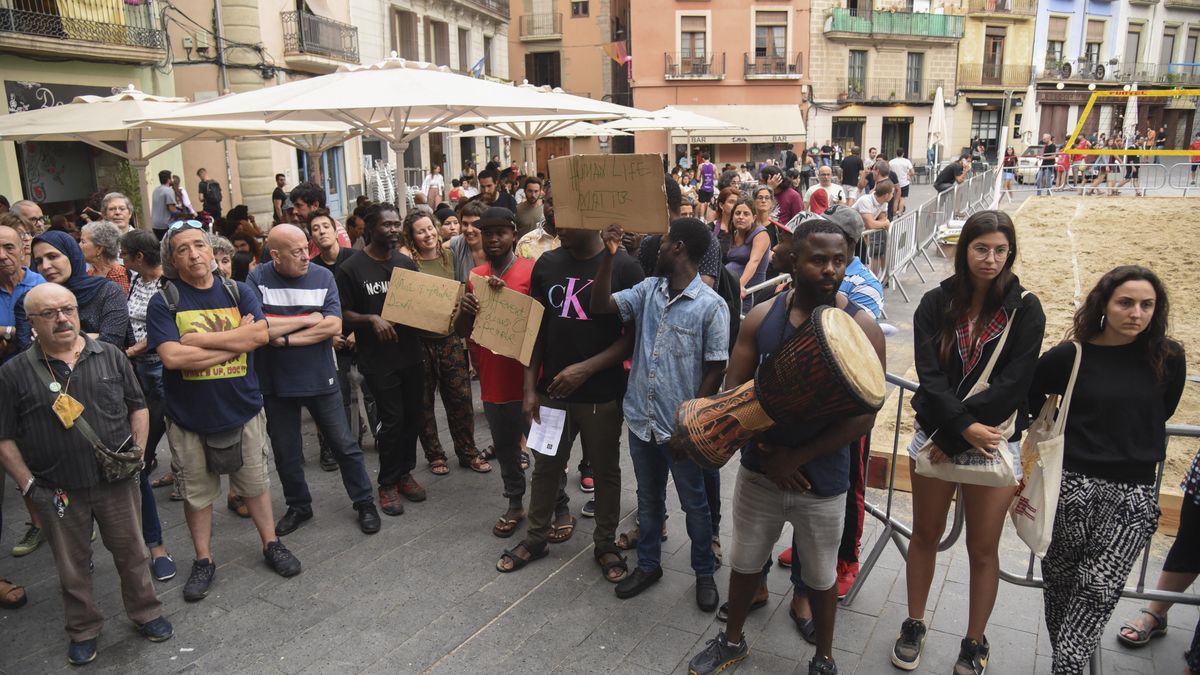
(969, 352)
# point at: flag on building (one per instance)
(477, 69)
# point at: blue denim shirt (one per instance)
(672, 341)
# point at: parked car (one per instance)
(1028, 163)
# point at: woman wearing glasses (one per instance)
(957, 327)
(103, 310)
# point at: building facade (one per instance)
(49, 54)
(880, 65)
(739, 61)
(995, 67)
(578, 46)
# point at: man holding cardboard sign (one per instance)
(501, 377)
(595, 190)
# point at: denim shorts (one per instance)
(969, 457)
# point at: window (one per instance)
(464, 49)
(1093, 41)
(1168, 47)
(579, 8)
(404, 35)
(1133, 46)
(437, 43)
(693, 33)
(770, 35)
(1056, 38)
(543, 68)
(856, 73)
(993, 55)
(487, 54)
(914, 75)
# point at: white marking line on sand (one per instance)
(1075, 254)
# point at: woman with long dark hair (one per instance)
(722, 225)
(1130, 379)
(957, 328)
(749, 250)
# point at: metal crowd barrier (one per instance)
(898, 533)
(1151, 177)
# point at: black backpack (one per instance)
(170, 294)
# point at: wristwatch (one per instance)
(28, 487)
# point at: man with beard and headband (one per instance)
(681, 343)
(793, 474)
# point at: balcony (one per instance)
(688, 67)
(772, 67)
(994, 75)
(888, 91)
(1018, 9)
(318, 44)
(108, 29)
(537, 27)
(497, 8)
(865, 25)
(1181, 4)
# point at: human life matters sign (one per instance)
(422, 301)
(508, 321)
(593, 191)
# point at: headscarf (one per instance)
(80, 283)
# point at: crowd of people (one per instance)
(215, 334)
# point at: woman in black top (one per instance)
(957, 328)
(1130, 379)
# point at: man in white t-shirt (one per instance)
(873, 207)
(903, 168)
(837, 194)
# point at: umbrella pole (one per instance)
(314, 167)
(141, 166)
(528, 149)
(401, 187)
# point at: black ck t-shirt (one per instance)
(362, 286)
(572, 333)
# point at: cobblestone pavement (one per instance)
(424, 595)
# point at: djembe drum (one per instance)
(826, 370)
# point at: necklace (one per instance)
(54, 386)
(507, 267)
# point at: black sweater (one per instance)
(1116, 424)
(941, 412)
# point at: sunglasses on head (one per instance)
(180, 224)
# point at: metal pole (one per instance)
(223, 71)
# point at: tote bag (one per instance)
(1034, 507)
(972, 467)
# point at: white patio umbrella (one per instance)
(398, 101)
(937, 125)
(571, 131)
(1029, 116)
(670, 119)
(1131, 116)
(101, 121)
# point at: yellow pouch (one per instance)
(68, 410)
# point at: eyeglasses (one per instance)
(180, 224)
(51, 314)
(38, 219)
(981, 252)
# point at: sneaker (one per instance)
(411, 489)
(82, 652)
(785, 557)
(200, 580)
(906, 655)
(280, 559)
(33, 538)
(163, 568)
(972, 657)
(820, 665)
(847, 572)
(718, 655)
(157, 630)
(586, 482)
(589, 509)
(328, 462)
(389, 500)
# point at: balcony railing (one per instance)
(772, 67)
(497, 7)
(888, 90)
(103, 22)
(547, 26)
(911, 24)
(305, 33)
(1181, 4)
(702, 67)
(994, 75)
(1009, 7)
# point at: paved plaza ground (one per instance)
(424, 596)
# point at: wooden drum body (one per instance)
(826, 370)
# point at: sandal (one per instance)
(237, 505)
(627, 541)
(7, 589)
(176, 497)
(489, 452)
(723, 610)
(560, 533)
(477, 464)
(716, 549)
(166, 479)
(615, 562)
(524, 461)
(517, 561)
(505, 526)
(808, 629)
(1143, 636)
(439, 467)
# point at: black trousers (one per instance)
(398, 396)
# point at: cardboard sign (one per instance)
(421, 301)
(508, 321)
(593, 191)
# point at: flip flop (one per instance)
(808, 629)
(505, 527)
(519, 562)
(561, 533)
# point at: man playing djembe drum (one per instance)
(796, 473)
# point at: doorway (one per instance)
(848, 132)
(550, 147)
(897, 133)
(333, 177)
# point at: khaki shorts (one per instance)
(197, 485)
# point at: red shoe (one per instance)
(586, 483)
(847, 572)
(785, 558)
(411, 489)
(389, 500)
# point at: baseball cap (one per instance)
(497, 216)
(847, 219)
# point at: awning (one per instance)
(763, 124)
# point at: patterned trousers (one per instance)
(1099, 529)
(446, 369)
